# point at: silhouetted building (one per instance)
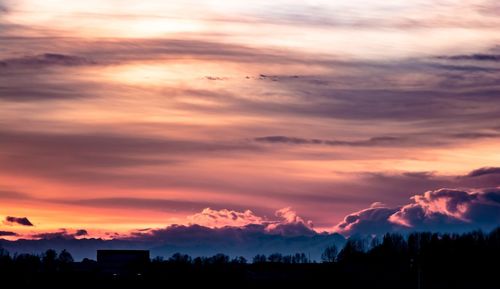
(123, 262)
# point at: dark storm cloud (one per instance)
(23, 221)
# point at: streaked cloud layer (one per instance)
(138, 114)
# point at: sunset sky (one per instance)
(123, 115)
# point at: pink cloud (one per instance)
(437, 210)
(288, 222)
(224, 218)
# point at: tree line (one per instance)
(417, 260)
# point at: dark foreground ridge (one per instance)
(420, 260)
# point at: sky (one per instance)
(340, 116)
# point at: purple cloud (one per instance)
(81, 232)
(61, 234)
(7, 234)
(46, 59)
(484, 171)
(443, 210)
(23, 221)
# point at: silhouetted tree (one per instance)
(179, 258)
(259, 259)
(330, 254)
(239, 260)
(275, 258)
(49, 259)
(353, 249)
(428, 260)
(300, 258)
(65, 257)
(218, 259)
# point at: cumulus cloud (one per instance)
(443, 210)
(238, 233)
(288, 222)
(373, 220)
(222, 218)
(23, 221)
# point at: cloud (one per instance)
(61, 234)
(375, 141)
(373, 220)
(194, 240)
(7, 234)
(52, 235)
(23, 221)
(8, 194)
(81, 232)
(3, 7)
(484, 171)
(222, 218)
(46, 59)
(474, 57)
(83, 157)
(288, 223)
(242, 233)
(475, 135)
(206, 217)
(443, 210)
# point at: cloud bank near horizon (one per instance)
(245, 233)
(442, 210)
